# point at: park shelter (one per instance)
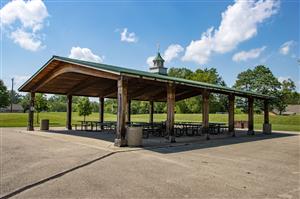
(72, 77)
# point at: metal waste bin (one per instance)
(134, 136)
(44, 125)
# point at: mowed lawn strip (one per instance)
(281, 123)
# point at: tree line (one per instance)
(260, 80)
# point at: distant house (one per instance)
(293, 109)
(290, 110)
(16, 108)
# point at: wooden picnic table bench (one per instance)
(155, 128)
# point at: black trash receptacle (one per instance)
(44, 125)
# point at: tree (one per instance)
(180, 73)
(57, 103)
(84, 107)
(4, 95)
(288, 90)
(15, 97)
(95, 106)
(194, 104)
(111, 106)
(260, 80)
(40, 104)
(25, 102)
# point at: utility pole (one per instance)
(11, 95)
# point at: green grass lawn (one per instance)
(286, 123)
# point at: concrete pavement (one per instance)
(45, 165)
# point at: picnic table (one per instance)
(89, 125)
(217, 127)
(187, 128)
(155, 128)
(195, 128)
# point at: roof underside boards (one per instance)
(61, 75)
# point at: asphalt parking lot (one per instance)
(49, 165)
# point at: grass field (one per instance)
(283, 123)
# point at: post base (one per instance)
(207, 137)
(170, 139)
(250, 132)
(120, 142)
(267, 128)
(232, 133)
(30, 129)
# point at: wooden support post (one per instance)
(205, 113)
(250, 116)
(31, 112)
(170, 112)
(266, 112)
(267, 127)
(231, 99)
(128, 111)
(101, 109)
(151, 111)
(121, 115)
(69, 112)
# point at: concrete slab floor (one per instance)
(60, 165)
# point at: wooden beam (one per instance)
(205, 113)
(151, 111)
(250, 116)
(231, 99)
(158, 93)
(71, 69)
(170, 112)
(140, 92)
(110, 90)
(30, 126)
(82, 85)
(187, 94)
(101, 109)
(121, 116)
(69, 112)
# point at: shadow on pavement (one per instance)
(185, 143)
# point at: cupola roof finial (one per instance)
(158, 63)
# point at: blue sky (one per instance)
(231, 36)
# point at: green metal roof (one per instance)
(158, 57)
(154, 76)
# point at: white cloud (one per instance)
(172, 52)
(22, 20)
(18, 81)
(129, 37)
(239, 23)
(169, 54)
(28, 41)
(245, 55)
(286, 47)
(84, 54)
(150, 61)
(281, 79)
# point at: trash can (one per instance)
(44, 125)
(134, 136)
